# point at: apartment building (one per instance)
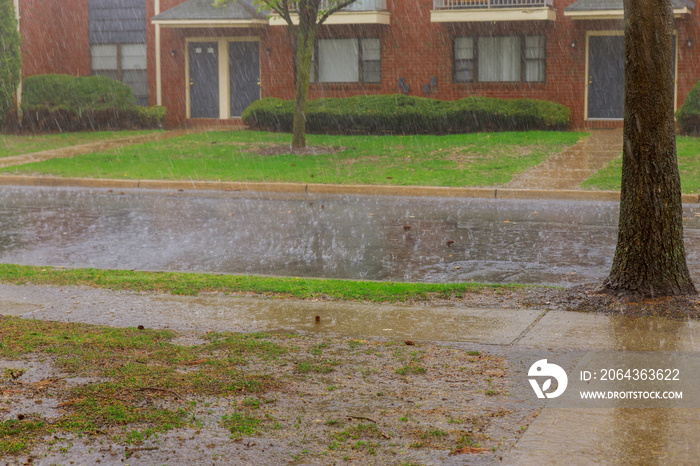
(207, 64)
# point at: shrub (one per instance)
(60, 91)
(55, 102)
(9, 57)
(688, 116)
(378, 114)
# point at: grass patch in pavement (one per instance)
(688, 149)
(11, 145)
(140, 379)
(194, 283)
(480, 159)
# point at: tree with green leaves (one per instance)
(303, 18)
(650, 256)
(10, 57)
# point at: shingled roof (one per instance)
(205, 10)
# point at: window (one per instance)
(338, 61)
(371, 61)
(464, 60)
(125, 63)
(534, 59)
(347, 61)
(499, 59)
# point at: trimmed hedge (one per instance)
(688, 116)
(401, 114)
(55, 102)
(77, 94)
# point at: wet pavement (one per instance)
(89, 148)
(568, 169)
(582, 436)
(237, 314)
(333, 236)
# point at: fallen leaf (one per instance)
(467, 451)
(194, 363)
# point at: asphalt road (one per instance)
(333, 236)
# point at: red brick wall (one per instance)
(415, 49)
(688, 70)
(54, 37)
(55, 40)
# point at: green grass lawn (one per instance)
(195, 283)
(688, 149)
(454, 160)
(17, 145)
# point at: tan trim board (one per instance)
(224, 85)
(159, 69)
(342, 17)
(18, 92)
(210, 23)
(218, 38)
(500, 14)
(615, 14)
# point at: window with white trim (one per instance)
(499, 59)
(534, 59)
(125, 63)
(347, 61)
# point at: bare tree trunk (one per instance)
(306, 37)
(650, 256)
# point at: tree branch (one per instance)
(335, 9)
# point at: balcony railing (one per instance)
(488, 4)
(361, 5)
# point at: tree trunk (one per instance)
(305, 45)
(650, 256)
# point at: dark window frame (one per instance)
(523, 60)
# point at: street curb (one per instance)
(300, 188)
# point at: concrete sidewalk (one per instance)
(568, 169)
(570, 436)
(89, 148)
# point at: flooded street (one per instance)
(354, 237)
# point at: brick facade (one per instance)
(412, 48)
(54, 37)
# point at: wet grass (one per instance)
(488, 159)
(141, 380)
(11, 145)
(194, 283)
(688, 149)
(128, 386)
(240, 425)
